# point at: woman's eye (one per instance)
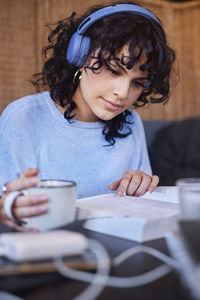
(113, 71)
(138, 83)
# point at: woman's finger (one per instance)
(134, 183)
(29, 200)
(17, 227)
(29, 211)
(27, 179)
(113, 186)
(26, 206)
(154, 183)
(30, 172)
(21, 183)
(124, 182)
(144, 184)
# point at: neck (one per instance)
(82, 111)
(81, 114)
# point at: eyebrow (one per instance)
(125, 70)
(119, 65)
(142, 78)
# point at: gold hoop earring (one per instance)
(77, 77)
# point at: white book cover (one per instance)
(138, 219)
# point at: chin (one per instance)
(106, 116)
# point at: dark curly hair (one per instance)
(109, 34)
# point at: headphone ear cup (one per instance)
(78, 48)
(83, 51)
(73, 48)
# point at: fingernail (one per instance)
(32, 230)
(110, 187)
(41, 209)
(119, 193)
(30, 169)
(41, 197)
(33, 181)
(151, 189)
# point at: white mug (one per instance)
(61, 204)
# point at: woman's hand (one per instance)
(134, 183)
(24, 205)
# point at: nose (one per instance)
(121, 88)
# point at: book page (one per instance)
(137, 207)
(163, 193)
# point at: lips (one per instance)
(111, 105)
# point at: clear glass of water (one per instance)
(189, 196)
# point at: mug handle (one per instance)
(8, 205)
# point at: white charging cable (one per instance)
(151, 251)
(97, 280)
(100, 280)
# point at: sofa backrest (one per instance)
(174, 149)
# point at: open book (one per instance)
(135, 218)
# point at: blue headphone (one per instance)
(79, 44)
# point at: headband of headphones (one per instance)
(111, 10)
(79, 44)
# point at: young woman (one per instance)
(82, 128)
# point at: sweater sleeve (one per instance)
(11, 154)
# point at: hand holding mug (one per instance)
(24, 205)
(41, 204)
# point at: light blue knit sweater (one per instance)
(34, 133)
